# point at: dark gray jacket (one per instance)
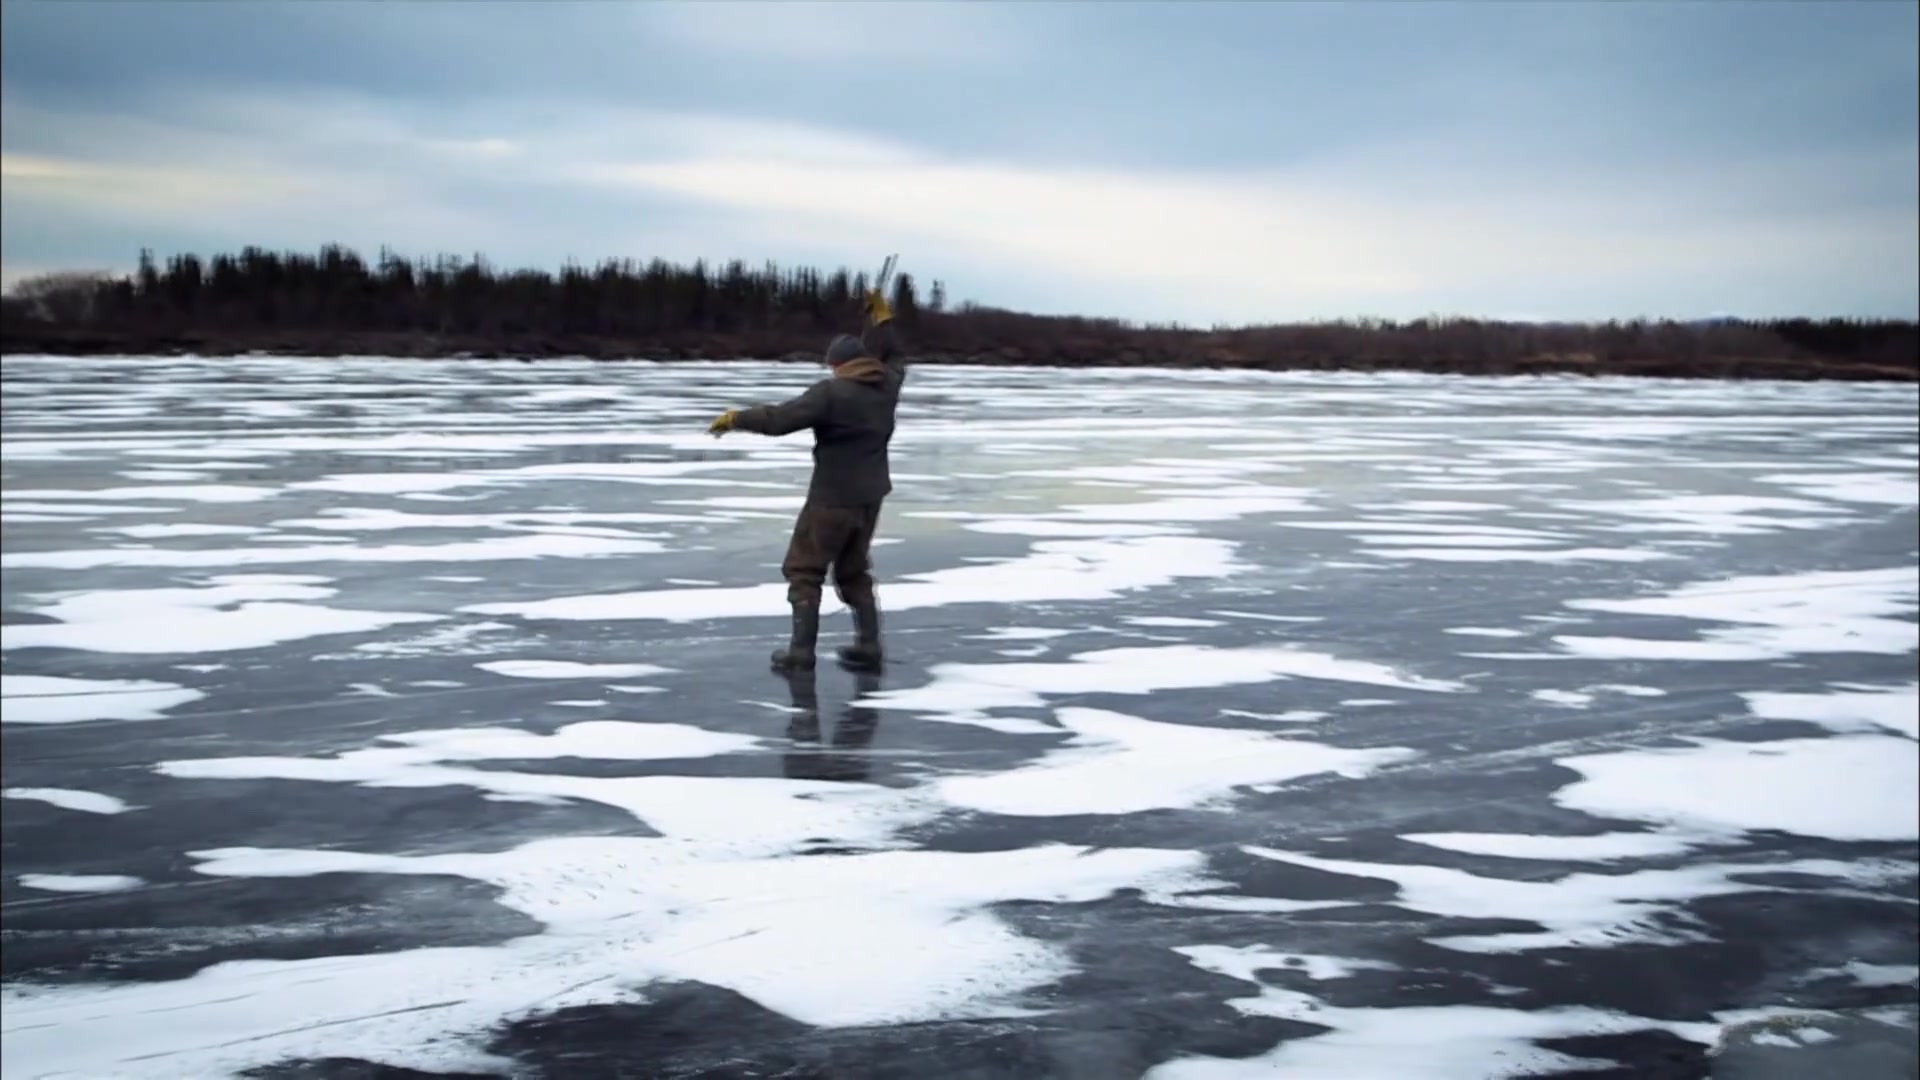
(851, 415)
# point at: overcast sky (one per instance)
(1192, 161)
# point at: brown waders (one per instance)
(836, 538)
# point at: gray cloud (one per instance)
(1195, 160)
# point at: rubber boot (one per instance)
(865, 653)
(798, 655)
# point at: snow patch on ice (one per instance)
(460, 638)
(52, 699)
(1263, 617)
(1852, 787)
(1604, 847)
(1861, 973)
(85, 802)
(1891, 708)
(1774, 617)
(161, 532)
(364, 519)
(1120, 764)
(620, 912)
(201, 493)
(1055, 571)
(1435, 506)
(237, 612)
(1579, 910)
(1247, 962)
(713, 817)
(1489, 555)
(1714, 515)
(77, 883)
(787, 503)
(491, 549)
(964, 693)
(1571, 699)
(84, 509)
(1019, 633)
(1217, 505)
(417, 759)
(167, 475)
(1628, 690)
(1044, 527)
(1291, 716)
(1467, 1042)
(1393, 543)
(1866, 974)
(1419, 530)
(1884, 489)
(569, 669)
(627, 472)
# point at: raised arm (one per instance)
(882, 337)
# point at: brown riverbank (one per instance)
(1196, 350)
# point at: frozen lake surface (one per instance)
(1238, 725)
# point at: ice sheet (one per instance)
(1147, 493)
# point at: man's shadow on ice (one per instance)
(843, 755)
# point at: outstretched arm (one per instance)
(785, 418)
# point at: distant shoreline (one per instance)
(78, 343)
(334, 303)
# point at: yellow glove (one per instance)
(722, 424)
(877, 309)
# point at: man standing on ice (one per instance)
(851, 415)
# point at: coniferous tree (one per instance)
(629, 307)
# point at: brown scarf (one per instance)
(858, 369)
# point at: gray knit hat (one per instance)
(844, 348)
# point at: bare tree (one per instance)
(63, 296)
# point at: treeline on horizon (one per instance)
(335, 302)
